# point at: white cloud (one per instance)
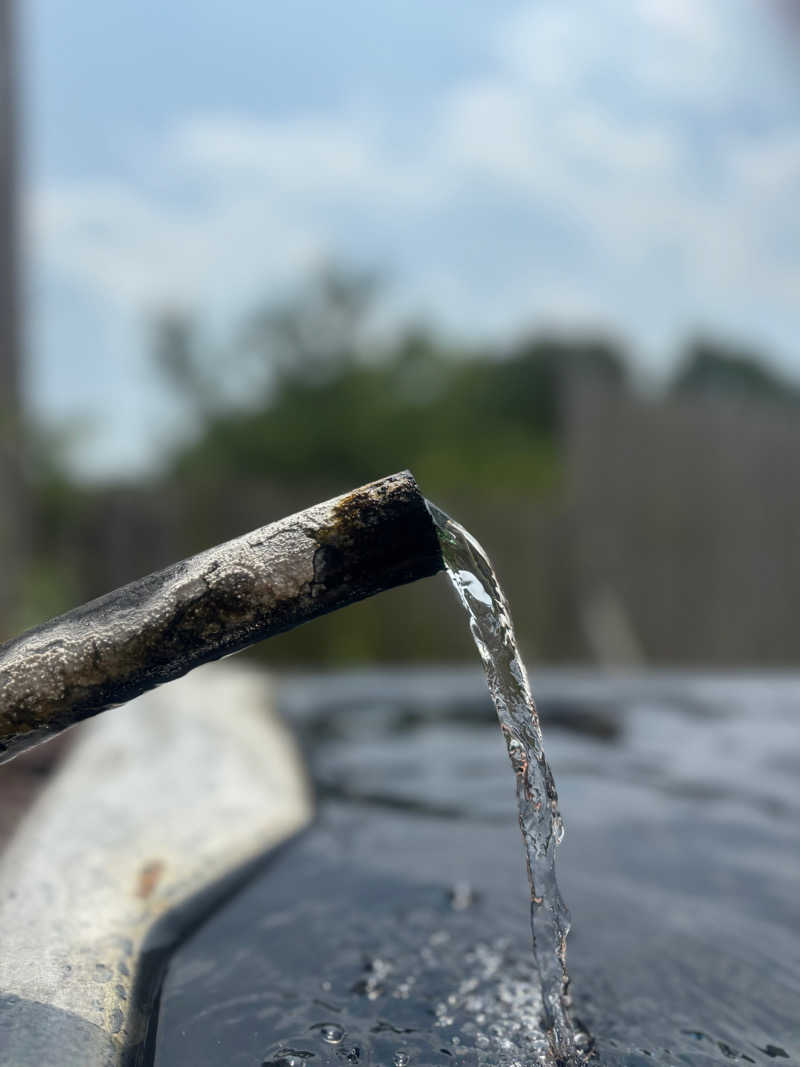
(693, 21)
(543, 44)
(640, 148)
(308, 156)
(770, 166)
(138, 251)
(301, 156)
(604, 136)
(310, 150)
(237, 205)
(563, 120)
(705, 55)
(488, 127)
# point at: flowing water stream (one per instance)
(477, 586)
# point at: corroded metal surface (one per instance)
(258, 585)
(157, 812)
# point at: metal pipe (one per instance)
(151, 631)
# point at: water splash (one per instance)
(542, 829)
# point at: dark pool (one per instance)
(395, 931)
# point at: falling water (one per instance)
(542, 829)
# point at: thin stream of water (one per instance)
(478, 589)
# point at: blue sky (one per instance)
(631, 164)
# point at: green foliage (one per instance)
(55, 508)
(332, 406)
(309, 398)
(711, 368)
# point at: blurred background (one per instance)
(546, 255)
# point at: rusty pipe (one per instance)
(226, 598)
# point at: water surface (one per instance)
(401, 916)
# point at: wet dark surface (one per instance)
(396, 929)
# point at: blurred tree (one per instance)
(712, 368)
(327, 402)
(175, 350)
(316, 333)
(622, 525)
(534, 381)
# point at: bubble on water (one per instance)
(401, 1059)
(461, 896)
(582, 1039)
(403, 991)
(288, 1057)
(332, 1033)
(373, 986)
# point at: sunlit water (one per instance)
(542, 829)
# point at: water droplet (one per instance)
(401, 1059)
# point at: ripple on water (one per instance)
(428, 992)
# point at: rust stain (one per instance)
(149, 877)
